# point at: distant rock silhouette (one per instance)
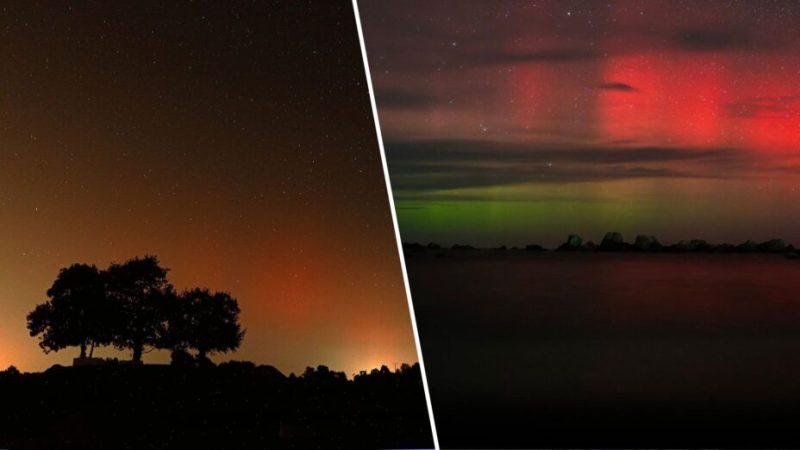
(612, 241)
(573, 243)
(534, 248)
(774, 246)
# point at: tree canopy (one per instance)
(140, 289)
(77, 314)
(132, 305)
(211, 322)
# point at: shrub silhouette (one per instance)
(77, 314)
(12, 371)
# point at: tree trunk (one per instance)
(137, 353)
(91, 351)
(83, 349)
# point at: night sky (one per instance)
(521, 122)
(232, 139)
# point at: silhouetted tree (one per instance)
(77, 314)
(133, 306)
(209, 323)
(176, 330)
(140, 288)
(323, 374)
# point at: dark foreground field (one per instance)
(615, 350)
(229, 406)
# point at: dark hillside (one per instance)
(234, 405)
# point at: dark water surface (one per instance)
(610, 350)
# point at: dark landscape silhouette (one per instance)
(231, 405)
(192, 402)
(614, 242)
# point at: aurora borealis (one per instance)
(520, 122)
(233, 141)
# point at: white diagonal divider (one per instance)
(394, 222)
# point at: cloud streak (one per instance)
(713, 40)
(772, 107)
(453, 164)
(615, 86)
(455, 149)
(550, 55)
(404, 99)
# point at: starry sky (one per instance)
(234, 140)
(517, 122)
